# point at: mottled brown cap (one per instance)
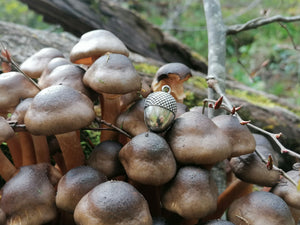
(194, 138)
(148, 159)
(6, 131)
(192, 193)
(112, 74)
(36, 63)
(288, 191)
(240, 137)
(113, 203)
(58, 109)
(75, 184)
(173, 75)
(94, 44)
(105, 158)
(260, 207)
(29, 197)
(13, 88)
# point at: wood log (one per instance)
(80, 16)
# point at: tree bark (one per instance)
(80, 16)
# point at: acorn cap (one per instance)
(161, 99)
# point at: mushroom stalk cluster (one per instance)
(161, 173)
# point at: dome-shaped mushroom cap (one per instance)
(148, 159)
(194, 138)
(35, 64)
(29, 197)
(217, 222)
(20, 111)
(75, 184)
(191, 194)
(94, 44)
(105, 158)
(240, 137)
(259, 208)
(172, 68)
(287, 191)
(58, 109)
(6, 131)
(112, 74)
(14, 87)
(113, 203)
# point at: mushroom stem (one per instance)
(71, 149)
(7, 169)
(41, 149)
(28, 154)
(60, 163)
(15, 150)
(110, 110)
(235, 190)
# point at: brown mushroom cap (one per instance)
(35, 64)
(113, 203)
(218, 222)
(14, 87)
(69, 75)
(194, 138)
(94, 44)
(260, 207)
(172, 74)
(2, 217)
(148, 159)
(29, 197)
(75, 184)
(6, 131)
(240, 137)
(104, 158)
(112, 74)
(20, 111)
(287, 191)
(192, 193)
(58, 109)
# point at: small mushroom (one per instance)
(194, 138)
(112, 75)
(239, 135)
(173, 75)
(94, 44)
(148, 159)
(105, 158)
(75, 184)
(258, 208)
(113, 203)
(29, 197)
(61, 111)
(36, 63)
(192, 193)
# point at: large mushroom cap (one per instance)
(6, 131)
(58, 109)
(194, 138)
(29, 197)
(148, 159)
(14, 87)
(112, 74)
(35, 64)
(287, 191)
(192, 193)
(75, 184)
(173, 75)
(259, 208)
(105, 158)
(94, 44)
(113, 203)
(240, 137)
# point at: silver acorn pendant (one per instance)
(160, 110)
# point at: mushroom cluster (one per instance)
(153, 164)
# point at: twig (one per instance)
(276, 168)
(260, 21)
(113, 127)
(290, 36)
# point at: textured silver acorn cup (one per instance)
(159, 111)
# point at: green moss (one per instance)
(145, 68)
(198, 82)
(191, 100)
